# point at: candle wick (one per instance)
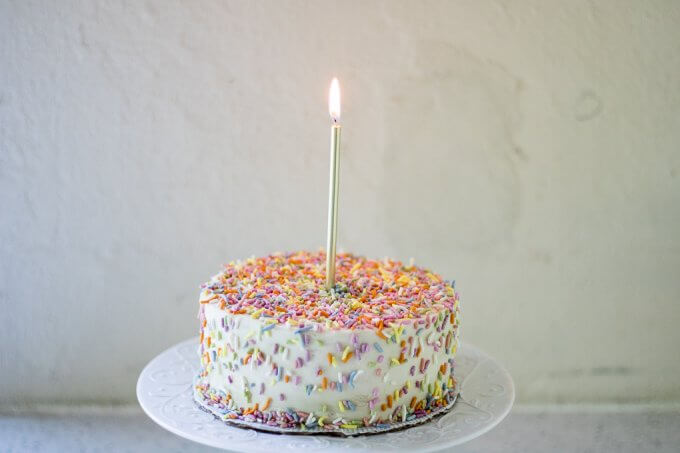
(335, 120)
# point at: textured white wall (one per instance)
(528, 149)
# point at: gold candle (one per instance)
(334, 110)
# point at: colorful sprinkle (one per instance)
(289, 289)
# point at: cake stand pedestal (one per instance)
(486, 396)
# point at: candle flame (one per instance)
(334, 99)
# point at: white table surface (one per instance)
(525, 430)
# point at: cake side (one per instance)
(284, 364)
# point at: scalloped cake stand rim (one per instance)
(164, 391)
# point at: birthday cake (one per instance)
(281, 353)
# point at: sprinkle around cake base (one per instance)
(338, 432)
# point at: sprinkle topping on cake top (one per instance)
(369, 294)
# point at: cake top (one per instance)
(289, 288)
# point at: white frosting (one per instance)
(375, 374)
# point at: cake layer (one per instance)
(277, 348)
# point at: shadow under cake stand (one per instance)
(164, 391)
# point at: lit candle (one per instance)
(334, 110)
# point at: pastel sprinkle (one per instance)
(288, 288)
(352, 375)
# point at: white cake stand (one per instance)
(486, 396)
